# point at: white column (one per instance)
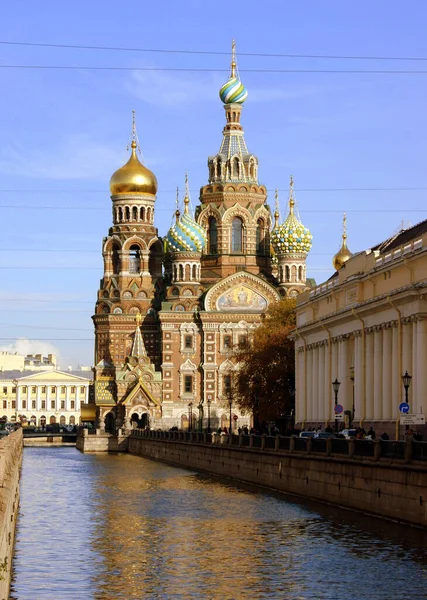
(326, 383)
(321, 381)
(369, 361)
(344, 375)
(420, 396)
(18, 398)
(378, 373)
(77, 398)
(358, 375)
(407, 357)
(67, 398)
(299, 387)
(315, 375)
(396, 380)
(387, 374)
(414, 347)
(38, 398)
(309, 375)
(334, 375)
(48, 408)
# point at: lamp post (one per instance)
(255, 382)
(336, 385)
(190, 416)
(230, 403)
(406, 378)
(209, 415)
(200, 407)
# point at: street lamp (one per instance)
(406, 378)
(336, 385)
(209, 415)
(200, 407)
(190, 416)
(230, 403)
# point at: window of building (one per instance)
(188, 384)
(72, 420)
(13, 404)
(43, 389)
(228, 342)
(33, 404)
(188, 341)
(134, 259)
(14, 390)
(260, 236)
(73, 404)
(24, 389)
(73, 390)
(33, 389)
(4, 390)
(52, 404)
(53, 389)
(237, 235)
(227, 384)
(4, 403)
(62, 403)
(43, 404)
(62, 389)
(116, 260)
(24, 404)
(82, 389)
(243, 341)
(213, 236)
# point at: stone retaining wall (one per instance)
(10, 470)
(387, 489)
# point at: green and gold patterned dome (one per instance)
(291, 237)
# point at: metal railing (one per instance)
(375, 450)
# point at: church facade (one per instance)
(170, 312)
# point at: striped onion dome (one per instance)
(185, 235)
(233, 92)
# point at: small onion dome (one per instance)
(342, 255)
(185, 235)
(133, 177)
(233, 92)
(291, 237)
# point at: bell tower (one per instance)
(233, 208)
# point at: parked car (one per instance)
(307, 434)
(324, 435)
(348, 433)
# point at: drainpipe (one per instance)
(329, 366)
(399, 342)
(305, 375)
(411, 273)
(363, 411)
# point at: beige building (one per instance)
(43, 397)
(13, 361)
(366, 326)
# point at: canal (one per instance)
(120, 526)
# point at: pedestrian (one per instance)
(385, 436)
(371, 432)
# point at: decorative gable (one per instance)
(241, 292)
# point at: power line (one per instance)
(17, 339)
(211, 52)
(44, 301)
(44, 327)
(194, 190)
(204, 70)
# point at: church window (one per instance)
(142, 213)
(115, 260)
(287, 273)
(181, 272)
(127, 213)
(188, 384)
(227, 384)
(188, 342)
(134, 213)
(134, 259)
(260, 236)
(149, 214)
(237, 235)
(293, 273)
(120, 214)
(213, 236)
(300, 277)
(194, 272)
(236, 170)
(227, 341)
(243, 341)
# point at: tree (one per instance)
(265, 381)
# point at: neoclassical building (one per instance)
(171, 310)
(366, 326)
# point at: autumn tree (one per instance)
(265, 381)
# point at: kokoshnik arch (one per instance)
(169, 311)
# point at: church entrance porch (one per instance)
(140, 421)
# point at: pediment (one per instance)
(241, 292)
(52, 376)
(140, 395)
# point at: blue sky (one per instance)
(64, 132)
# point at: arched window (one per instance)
(213, 236)
(187, 272)
(300, 277)
(237, 235)
(134, 259)
(236, 170)
(181, 273)
(116, 260)
(287, 273)
(134, 213)
(194, 273)
(120, 214)
(219, 168)
(127, 212)
(260, 236)
(293, 273)
(142, 213)
(149, 215)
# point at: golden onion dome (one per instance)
(133, 177)
(343, 253)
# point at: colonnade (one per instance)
(369, 364)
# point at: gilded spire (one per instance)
(276, 210)
(233, 59)
(177, 213)
(291, 196)
(134, 143)
(138, 348)
(343, 253)
(187, 196)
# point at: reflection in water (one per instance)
(119, 526)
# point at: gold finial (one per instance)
(276, 210)
(233, 58)
(138, 319)
(134, 144)
(344, 227)
(187, 195)
(291, 196)
(343, 253)
(177, 213)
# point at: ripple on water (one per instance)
(107, 527)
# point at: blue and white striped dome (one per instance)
(233, 92)
(185, 235)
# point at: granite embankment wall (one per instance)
(382, 487)
(10, 470)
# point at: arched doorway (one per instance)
(109, 422)
(62, 420)
(184, 422)
(141, 421)
(43, 421)
(52, 420)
